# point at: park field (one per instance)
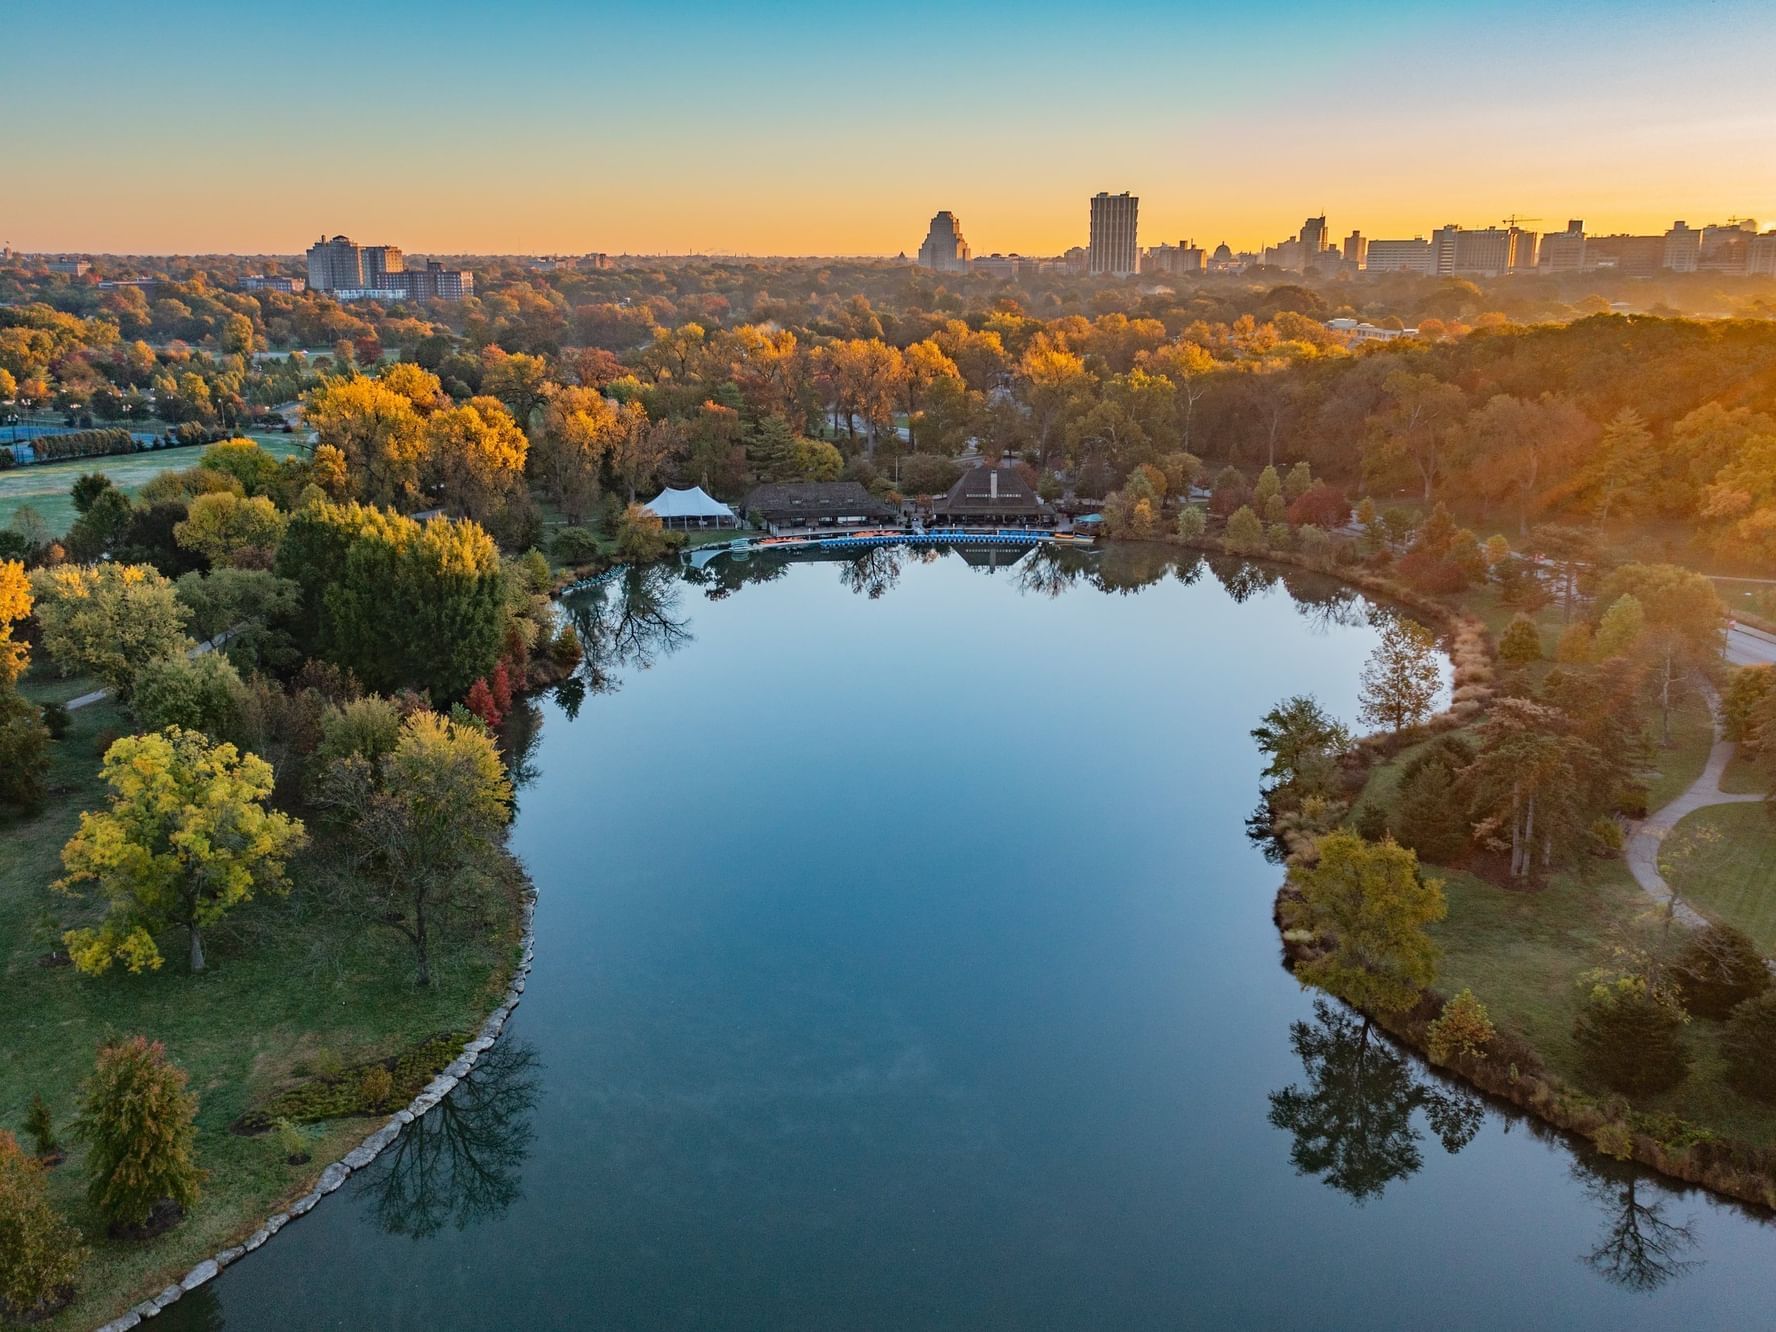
(44, 486)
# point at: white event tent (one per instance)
(691, 508)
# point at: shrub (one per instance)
(1719, 969)
(575, 545)
(1463, 1028)
(41, 1126)
(1320, 506)
(291, 1142)
(39, 1252)
(375, 1086)
(24, 751)
(1245, 532)
(1630, 1041)
(56, 719)
(1432, 573)
(1749, 1038)
(1522, 642)
(136, 1119)
(1614, 1138)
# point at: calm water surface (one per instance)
(902, 962)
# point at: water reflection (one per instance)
(874, 572)
(460, 1163)
(629, 622)
(1640, 1247)
(1353, 1121)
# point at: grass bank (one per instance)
(1722, 860)
(295, 985)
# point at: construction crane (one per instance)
(1513, 220)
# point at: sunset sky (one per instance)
(528, 127)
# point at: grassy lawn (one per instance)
(1675, 768)
(1743, 777)
(44, 486)
(290, 979)
(1522, 953)
(1722, 859)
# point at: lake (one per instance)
(902, 961)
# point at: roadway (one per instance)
(1750, 647)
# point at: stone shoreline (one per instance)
(335, 1174)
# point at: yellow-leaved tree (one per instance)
(15, 604)
(186, 839)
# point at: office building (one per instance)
(1184, 257)
(1481, 251)
(1114, 251)
(1313, 241)
(1564, 251)
(1356, 250)
(1633, 256)
(944, 250)
(1724, 246)
(292, 286)
(1400, 256)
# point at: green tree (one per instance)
(1745, 699)
(1400, 679)
(1302, 743)
(138, 1123)
(186, 839)
(1431, 810)
(24, 751)
(1749, 1038)
(422, 821)
(1464, 1028)
(1245, 532)
(108, 619)
(1717, 969)
(1371, 908)
(1629, 1037)
(1522, 642)
(641, 538)
(1192, 522)
(1619, 632)
(40, 1253)
(198, 693)
(401, 604)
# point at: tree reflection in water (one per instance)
(874, 572)
(1049, 571)
(1241, 579)
(1639, 1248)
(460, 1162)
(1353, 1120)
(629, 622)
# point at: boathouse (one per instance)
(801, 506)
(992, 496)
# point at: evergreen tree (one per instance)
(39, 1252)
(1631, 1040)
(1522, 642)
(137, 1121)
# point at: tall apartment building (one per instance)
(1356, 249)
(944, 249)
(1400, 256)
(354, 272)
(1725, 246)
(1564, 251)
(1114, 250)
(1482, 251)
(1760, 254)
(1683, 248)
(335, 265)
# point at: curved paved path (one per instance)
(1642, 848)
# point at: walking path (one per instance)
(1642, 849)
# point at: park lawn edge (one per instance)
(57, 1018)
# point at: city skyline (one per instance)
(1227, 129)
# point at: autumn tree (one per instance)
(1623, 469)
(231, 531)
(422, 820)
(1371, 908)
(1413, 426)
(579, 431)
(107, 619)
(40, 1253)
(377, 430)
(186, 839)
(1401, 677)
(518, 380)
(1527, 783)
(475, 454)
(138, 1123)
(1301, 742)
